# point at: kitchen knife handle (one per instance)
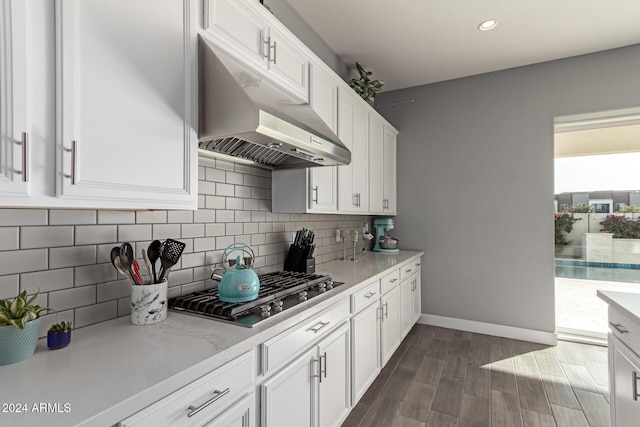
(218, 395)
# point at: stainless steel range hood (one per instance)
(244, 116)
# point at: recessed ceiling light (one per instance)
(487, 25)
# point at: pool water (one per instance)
(598, 273)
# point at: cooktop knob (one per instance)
(277, 305)
(265, 310)
(302, 296)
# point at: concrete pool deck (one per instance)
(578, 307)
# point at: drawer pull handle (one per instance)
(74, 165)
(618, 327)
(218, 395)
(369, 295)
(635, 385)
(393, 280)
(316, 329)
(386, 310)
(408, 271)
(418, 264)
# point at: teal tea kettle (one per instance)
(238, 283)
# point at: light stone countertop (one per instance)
(114, 369)
(627, 302)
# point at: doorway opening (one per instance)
(597, 217)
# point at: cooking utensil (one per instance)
(115, 260)
(170, 253)
(146, 262)
(136, 271)
(153, 252)
(240, 283)
(126, 259)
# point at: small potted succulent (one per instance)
(59, 335)
(19, 328)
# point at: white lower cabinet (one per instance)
(625, 379)
(406, 306)
(365, 338)
(390, 323)
(224, 397)
(313, 389)
(416, 308)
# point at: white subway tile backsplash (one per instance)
(72, 256)
(182, 217)
(113, 290)
(19, 217)
(96, 273)
(72, 298)
(9, 238)
(166, 231)
(23, 261)
(151, 217)
(116, 217)
(214, 229)
(96, 313)
(96, 234)
(9, 286)
(67, 253)
(192, 230)
(72, 217)
(135, 233)
(46, 281)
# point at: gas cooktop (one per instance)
(278, 292)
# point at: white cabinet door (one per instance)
(625, 384)
(15, 159)
(406, 306)
(376, 166)
(390, 172)
(323, 183)
(416, 298)
(287, 396)
(241, 414)
(239, 29)
(365, 350)
(334, 378)
(323, 97)
(125, 83)
(390, 325)
(353, 131)
(288, 63)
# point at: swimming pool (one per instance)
(610, 272)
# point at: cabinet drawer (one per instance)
(282, 348)
(624, 329)
(366, 296)
(212, 394)
(416, 264)
(390, 281)
(406, 270)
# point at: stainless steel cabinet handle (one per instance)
(618, 327)
(317, 328)
(393, 280)
(25, 157)
(218, 395)
(315, 189)
(369, 295)
(324, 357)
(73, 151)
(386, 310)
(635, 385)
(274, 51)
(409, 270)
(381, 313)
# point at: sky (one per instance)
(597, 173)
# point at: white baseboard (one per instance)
(548, 338)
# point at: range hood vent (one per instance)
(244, 116)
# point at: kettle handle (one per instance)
(234, 247)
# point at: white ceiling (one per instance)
(412, 42)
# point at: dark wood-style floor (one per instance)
(447, 378)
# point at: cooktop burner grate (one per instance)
(278, 291)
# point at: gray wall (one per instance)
(476, 182)
(294, 22)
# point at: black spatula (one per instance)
(170, 252)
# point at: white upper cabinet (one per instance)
(376, 166)
(244, 30)
(324, 97)
(15, 159)
(353, 131)
(390, 171)
(126, 97)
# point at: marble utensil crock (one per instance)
(149, 303)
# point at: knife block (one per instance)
(310, 266)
